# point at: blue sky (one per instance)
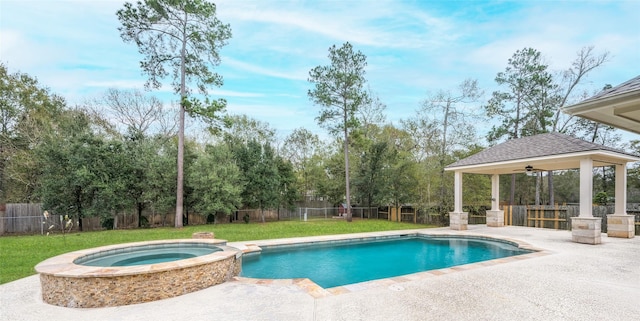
(413, 48)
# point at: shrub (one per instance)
(600, 198)
(107, 223)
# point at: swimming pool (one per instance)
(332, 264)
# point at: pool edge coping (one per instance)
(316, 291)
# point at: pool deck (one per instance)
(566, 281)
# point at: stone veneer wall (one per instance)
(94, 292)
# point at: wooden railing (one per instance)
(537, 215)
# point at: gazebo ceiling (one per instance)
(618, 107)
(552, 151)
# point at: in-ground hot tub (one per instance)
(136, 272)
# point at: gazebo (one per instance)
(619, 107)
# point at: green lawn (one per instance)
(19, 254)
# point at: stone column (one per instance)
(458, 219)
(495, 217)
(586, 228)
(619, 224)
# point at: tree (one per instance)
(242, 129)
(585, 62)
(370, 117)
(528, 85)
(328, 175)
(525, 108)
(423, 132)
(299, 148)
(134, 112)
(260, 173)
(477, 188)
(566, 186)
(140, 151)
(161, 174)
(339, 90)
(74, 174)
(570, 79)
(181, 38)
(217, 182)
(113, 172)
(454, 126)
(138, 121)
(287, 189)
(400, 168)
(370, 178)
(28, 113)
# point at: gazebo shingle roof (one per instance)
(532, 147)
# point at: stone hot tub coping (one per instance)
(68, 284)
(62, 265)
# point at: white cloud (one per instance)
(240, 65)
(231, 93)
(387, 24)
(118, 84)
(412, 47)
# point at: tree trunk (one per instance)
(512, 192)
(140, 206)
(442, 154)
(79, 204)
(552, 199)
(183, 95)
(346, 166)
(538, 185)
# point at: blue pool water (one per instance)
(335, 264)
(146, 254)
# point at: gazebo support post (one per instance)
(458, 219)
(495, 217)
(619, 224)
(586, 228)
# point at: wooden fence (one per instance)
(559, 216)
(28, 218)
(554, 217)
(22, 218)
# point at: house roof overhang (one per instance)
(618, 107)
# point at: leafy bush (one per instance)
(107, 223)
(601, 198)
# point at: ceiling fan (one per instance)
(530, 170)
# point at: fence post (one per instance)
(505, 214)
(557, 216)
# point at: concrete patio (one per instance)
(569, 281)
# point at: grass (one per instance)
(20, 254)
